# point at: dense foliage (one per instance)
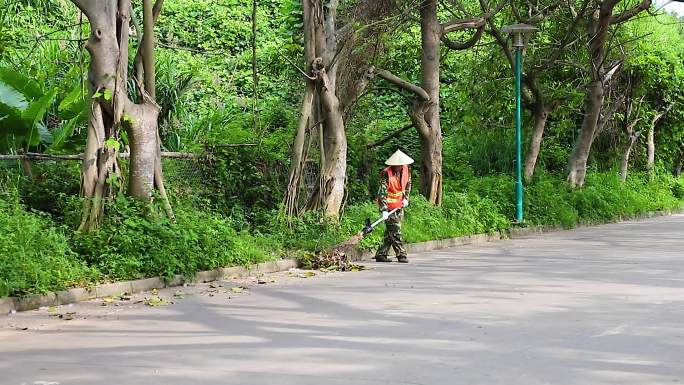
(228, 202)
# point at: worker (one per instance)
(394, 194)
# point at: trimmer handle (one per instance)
(369, 227)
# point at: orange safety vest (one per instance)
(396, 187)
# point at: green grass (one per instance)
(35, 255)
(40, 252)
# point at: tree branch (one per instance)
(464, 45)
(460, 25)
(148, 47)
(140, 35)
(630, 13)
(389, 137)
(295, 66)
(403, 84)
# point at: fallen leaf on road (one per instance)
(156, 301)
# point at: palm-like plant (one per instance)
(23, 104)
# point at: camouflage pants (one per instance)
(393, 236)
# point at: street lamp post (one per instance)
(518, 32)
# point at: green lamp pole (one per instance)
(517, 32)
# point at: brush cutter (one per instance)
(369, 227)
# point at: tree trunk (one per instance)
(431, 168)
(329, 196)
(334, 173)
(299, 152)
(291, 200)
(541, 114)
(598, 34)
(680, 164)
(103, 79)
(624, 164)
(431, 137)
(650, 148)
(330, 193)
(580, 153)
(255, 74)
(597, 29)
(26, 168)
(112, 109)
(650, 142)
(142, 138)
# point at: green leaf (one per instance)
(10, 121)
(60, 135)
(107, 94)
(11, 97)
(112, 143)
(34, 114)
(27, 86)
(44, 135)
(124, 136)
(128, 119)
(73, 103)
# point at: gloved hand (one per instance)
(404, 203)
(385, 215)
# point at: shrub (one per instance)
(35, 256)
(135, 242)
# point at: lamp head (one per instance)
(518, 32)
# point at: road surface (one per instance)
(593, 306)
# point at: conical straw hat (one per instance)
(398, 159)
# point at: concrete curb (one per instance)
(10, 304)
(83, 294)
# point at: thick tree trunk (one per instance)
(329, 196)
(593, 102)
(103, 46)
(330, 193)
(541, 115)
(431, 168)
(334, 173)
(597, 29)
(111, 108)
(431, 137)
(142, 138)
(580, 153)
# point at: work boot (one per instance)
(382, 258)
(402, 259)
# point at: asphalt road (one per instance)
(593, 306)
